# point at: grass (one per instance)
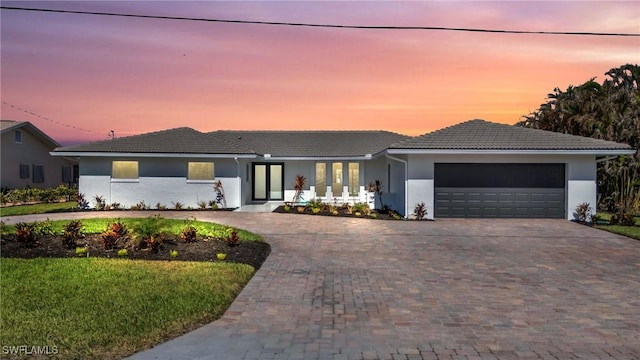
(628, 231)
(37, 208)
(96, 226)
(110, 308)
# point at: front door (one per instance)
(268, 181)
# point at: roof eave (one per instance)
(513, 151)
(318, 158)
(150, 155)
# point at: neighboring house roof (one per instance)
(313, 144)
(10, 125)
(483, 136)
(174, 141)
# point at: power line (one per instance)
(367, 27)
(50, 120)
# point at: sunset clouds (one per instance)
(137, 75)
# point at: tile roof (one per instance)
(316, 144)
(484, 135)
(173, 141)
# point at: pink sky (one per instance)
(139, 75)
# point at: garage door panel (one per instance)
(538, 203)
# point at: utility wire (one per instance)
(367, 27)
(53, 121)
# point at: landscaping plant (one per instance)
(189, 234)
(149, 233)
(26, 235)
(233, 239)
(583, 212)
(116, 234)
(71, 233)
(219, 191)
(376, 187)
(100, 202)
(298, 186)
(420, 211)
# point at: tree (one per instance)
(608, 111)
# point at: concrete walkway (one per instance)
(452, 289)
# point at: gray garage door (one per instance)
(500, 190)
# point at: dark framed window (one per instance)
(24, 171)
(38, 173)
(17, 136)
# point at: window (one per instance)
(17, 136)
(336, 182)
(124, 170)
(38, 173)
(200, 171)
(24, 171)
(354, 179)
(321, 179)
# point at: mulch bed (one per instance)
(380, 215)
(253, 253)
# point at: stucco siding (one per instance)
(31, 151)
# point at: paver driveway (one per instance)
(451, 289)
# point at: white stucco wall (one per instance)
(156, 190)
(580, 176)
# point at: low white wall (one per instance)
(578, 192)
(421, 190)
(157, 190)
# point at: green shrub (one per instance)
(362, 208)
(173, 254)
(80, 251)
(71, 233)
(123, 252)
(41, 228)
(150, 232)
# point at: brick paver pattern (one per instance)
(336, 288)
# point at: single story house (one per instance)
(26, 159)
(473, 169)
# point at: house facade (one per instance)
(26, 159)
(473, 169)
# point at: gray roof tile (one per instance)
(313, 143)
(174, 141)
(484, 135)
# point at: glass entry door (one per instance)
(268, 181)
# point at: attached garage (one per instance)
(479, 169)
(499, 190)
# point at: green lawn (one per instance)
(37, 208)
(629, 231)
(95, 226)
(110, 308)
